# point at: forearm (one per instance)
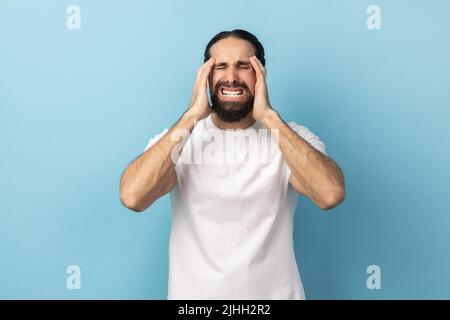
(319, 176)
(145, 178)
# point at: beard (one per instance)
(231, 111)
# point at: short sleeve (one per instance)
(155, 139)
(308, 136)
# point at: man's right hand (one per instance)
(152, 174)
(199, 106)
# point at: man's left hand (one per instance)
(261, 104)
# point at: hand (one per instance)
(199, 105)
(261, 104)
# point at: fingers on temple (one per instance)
(200, 71)
(258, 67)
(206, 71)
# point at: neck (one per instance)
(244, 123)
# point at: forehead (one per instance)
(231, 49)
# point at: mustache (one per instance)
(228, 85)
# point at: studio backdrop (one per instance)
(85, 84)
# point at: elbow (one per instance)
(129, 198)
(333, 199)
(131, 202)
(132, 205)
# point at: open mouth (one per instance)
(232, 92)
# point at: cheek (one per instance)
(250, 80)
(213, 79)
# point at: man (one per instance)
(232, 228)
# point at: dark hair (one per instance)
(240, 34)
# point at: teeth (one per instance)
(232, 92)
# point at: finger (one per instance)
(200, 70)
(262, 68)
(207, 68)
(207, 72)
(258, 68)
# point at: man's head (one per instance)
(232, 80)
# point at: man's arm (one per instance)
(152, 174)
(312, 173)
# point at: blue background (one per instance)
(77, 106)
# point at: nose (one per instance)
(231, 75)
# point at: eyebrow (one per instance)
(238, 63)
(245, 63)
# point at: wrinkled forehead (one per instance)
(231, 50)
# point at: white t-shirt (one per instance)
(233, 208)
